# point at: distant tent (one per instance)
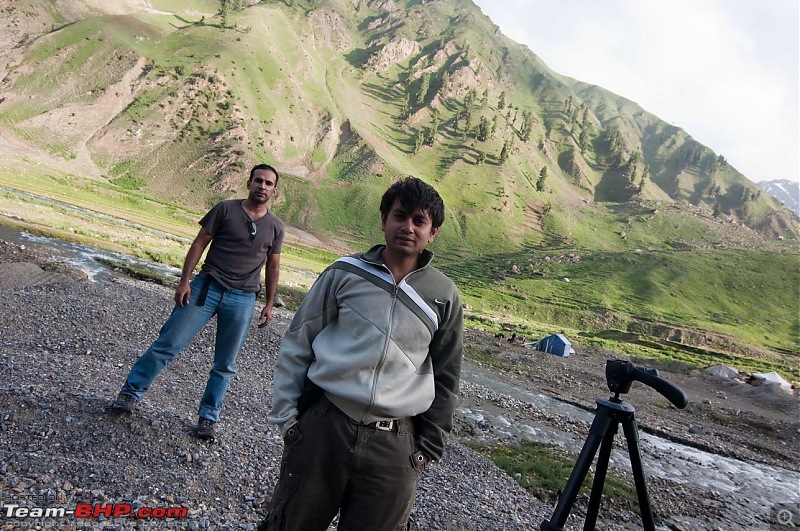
(770, 378)
(556, 344)
(725, 371)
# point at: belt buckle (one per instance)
(384, 425)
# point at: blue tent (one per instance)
(556, 344)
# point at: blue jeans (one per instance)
(234, 310)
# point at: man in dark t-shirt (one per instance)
(244, 237)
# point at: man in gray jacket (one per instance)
(367, 377)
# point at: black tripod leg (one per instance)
(632, 436)
(597, 433)
(600, 476)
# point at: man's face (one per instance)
(407, 233)
(262, 186)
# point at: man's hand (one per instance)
(266, 317)
(182, 294)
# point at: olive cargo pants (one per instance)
(331, 464)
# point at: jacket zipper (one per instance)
(385, 348)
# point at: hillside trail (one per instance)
(98, 114)
(79, 121)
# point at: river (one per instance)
(758, 488)
(84, 257)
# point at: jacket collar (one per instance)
(373, 256)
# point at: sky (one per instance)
(725, 71)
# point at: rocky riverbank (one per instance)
(68, 343)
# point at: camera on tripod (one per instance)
(621, 374)
(610, 413)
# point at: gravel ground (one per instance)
(67, 345)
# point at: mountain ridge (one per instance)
(349, 111)
(785, 191)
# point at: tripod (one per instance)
(609, 415)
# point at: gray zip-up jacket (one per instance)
(378, 349)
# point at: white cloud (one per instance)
(726, 71)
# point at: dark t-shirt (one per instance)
(235, 258)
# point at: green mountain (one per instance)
(175, 100)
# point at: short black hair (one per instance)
(414, 193)
(266, 167)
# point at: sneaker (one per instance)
(124, 403)
(205, 429)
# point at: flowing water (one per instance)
(758, 488)
(84, 257)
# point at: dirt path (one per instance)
(80, 122)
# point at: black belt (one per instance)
(318, 395)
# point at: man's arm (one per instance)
(271, 272)
(183, 291)
(296, 354)
(446, 351)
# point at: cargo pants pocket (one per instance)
(288, 483)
